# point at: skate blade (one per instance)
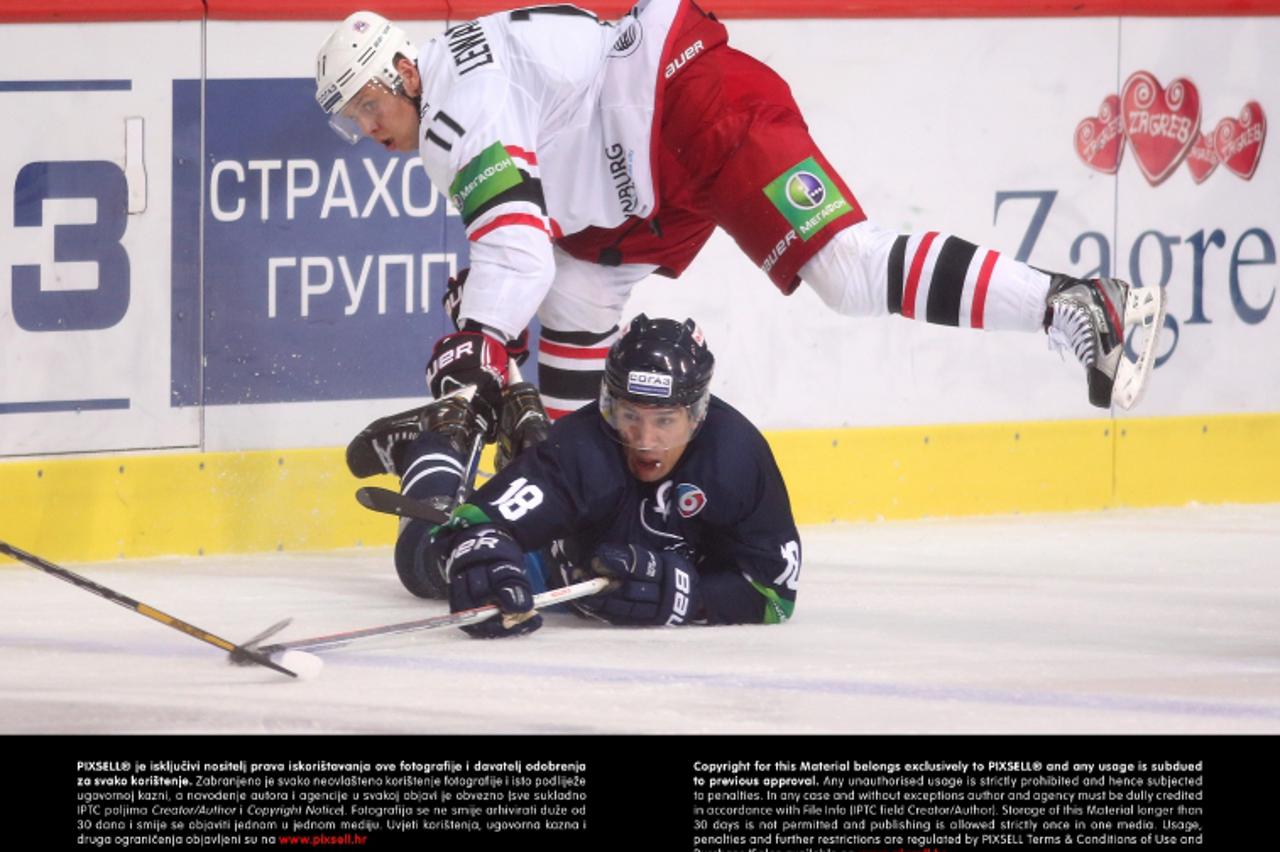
(1145, 309)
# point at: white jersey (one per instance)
(539, 122)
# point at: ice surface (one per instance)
(1121, 621)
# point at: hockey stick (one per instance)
(394, 503)
(239, 653)
(452, 619)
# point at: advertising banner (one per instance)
(85, 234)
(190, 257)
(324, 264)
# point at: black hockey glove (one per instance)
(486, 566)
(517, 350)
(470, 358)
(657, 587)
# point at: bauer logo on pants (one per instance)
(807, 198)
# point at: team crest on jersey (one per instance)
(689, 499)
(628, 41)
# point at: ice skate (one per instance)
(380, 446)
(1093, 319)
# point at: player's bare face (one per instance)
(387, 118)
(653, 438)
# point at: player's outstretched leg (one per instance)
(432, 472)
(1093, 319)
(427, 447)
(380, 446)
(866, 270)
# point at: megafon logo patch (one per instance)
(689, 499)
(805, 191)
(1163, 127)
(649, 384)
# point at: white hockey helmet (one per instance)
(360, 51)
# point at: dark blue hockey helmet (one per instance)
(661, 363)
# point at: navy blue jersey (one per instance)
(724, 501)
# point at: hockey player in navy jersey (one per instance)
(585, 155)
(658, 485)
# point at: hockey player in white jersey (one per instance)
(585, 155)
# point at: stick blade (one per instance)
(391, 503)
(242, 656)
(248, 653)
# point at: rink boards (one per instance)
(203, 292)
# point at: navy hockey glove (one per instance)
(470, 358)
(486, 566)
(656, 587)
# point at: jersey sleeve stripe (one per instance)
(524, 219)
(520, 153)
(528, 190)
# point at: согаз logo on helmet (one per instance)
(649, 384)
(805, 191)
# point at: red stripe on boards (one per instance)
(528, 156)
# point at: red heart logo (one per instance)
(1238, 142)
(1202, 159)
(1161, 124)
(1100, 141)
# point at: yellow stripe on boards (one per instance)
(1171, 461)
(912, 472)
(83, 509)
(94, 508)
